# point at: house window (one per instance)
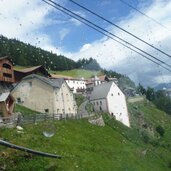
(100, 108)
(112, 94)
(46, 110)
(100, 102)
(97, 103)
(118, 94)
(7, 75)
(18, 100)
(5, 65)
(30, 84)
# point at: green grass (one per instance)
(24, 111)
(79, 99)
(77, 73)
(88, 147)
(152, 117)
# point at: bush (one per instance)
(145, 137)
(79, 99)
(169, 165)
(160, 130)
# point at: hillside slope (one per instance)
(88, 147)
(77, 73)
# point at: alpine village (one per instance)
(89, 117)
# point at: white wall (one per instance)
(114, 104)
(64, 101)
(35, 95)
(39, 96)
(117, 105)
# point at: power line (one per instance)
(161, 51)
(129, 5)
(106, 34)
(78, 16)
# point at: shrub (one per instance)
(145, 137)
(160, 130)
(169, 165)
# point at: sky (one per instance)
(35, 22)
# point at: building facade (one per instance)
(45, 95)
(107, 97)
(77, 85)
(6, 70)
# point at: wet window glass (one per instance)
(85, 85)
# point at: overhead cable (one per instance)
(102, 32)
(129, 5)
(78, 17)
(140, 39)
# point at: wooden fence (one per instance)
(32, 119)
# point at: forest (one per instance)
(24, 54)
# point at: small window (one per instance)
(112, 94)
(118, 94)
(30, 84)
(7, 75)
(100, 102)
(97, 103)
(46, 110)
(5, 65)
(18, 100)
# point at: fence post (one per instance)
(34, 119)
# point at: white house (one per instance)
(75, 84)
(45, 95)
(109, 98)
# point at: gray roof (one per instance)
(101, 91)
(5, 87)
(4, 96)
(55, 83)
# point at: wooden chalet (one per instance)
(39, 70)
(6, 104)
(6, 70)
